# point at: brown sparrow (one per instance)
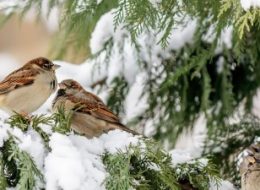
(27, 88)
(91, 117)
(250, 169)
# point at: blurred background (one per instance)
(24, 40)
(30, 37)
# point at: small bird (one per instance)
(91, 117)
(26, 89)
(250, 169)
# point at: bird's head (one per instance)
(43, 63)
(69, 87)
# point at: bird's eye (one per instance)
(47, 65)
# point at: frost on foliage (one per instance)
(117, 56)
(126, 61)
(74, 162)
(104, 31)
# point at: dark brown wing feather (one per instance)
(105, 114)
(94, 108)
(98, 110)
(93, 98)
(21, 77)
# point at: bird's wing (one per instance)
(92, 105)
(95, 108)
(95, 127)
(92, 98)
(17, 79)
(100, 111)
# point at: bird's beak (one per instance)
(55, 66)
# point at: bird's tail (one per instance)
(124, 128)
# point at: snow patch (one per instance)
(224, 185)
(247, 4)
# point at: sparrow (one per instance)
(250, 169)
(90, 116)
(26, 89)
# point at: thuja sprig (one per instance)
(199, 173)
(29, 174)
(42, 119)
(62, 120)
(3, 181)
(24, 122)
(20, 121)
(148, 166)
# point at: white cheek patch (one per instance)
(36, 66)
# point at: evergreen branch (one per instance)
(226, 141)
(149, 167)
(20, 121)
(205, 104)
(166, 34)
(226, 92)
(3, 181)
(225, 6)
(62, 121)
(24, 123)
(198, 174)
(117, 95)
(243, 23)
(41, 119)
(28, 171)
(119, 167)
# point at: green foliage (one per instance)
(143, 166)
(62, 121)
(242, 20)
(117, 95)
(20, 121)
(147, 166)
(24, 122)
(136, 19)
(227, 141)
(199, 173)
(19, 166)
(3, 182)
(139, 16)
(38, 120)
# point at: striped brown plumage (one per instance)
(91, 116)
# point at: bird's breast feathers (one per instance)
(29, 98)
